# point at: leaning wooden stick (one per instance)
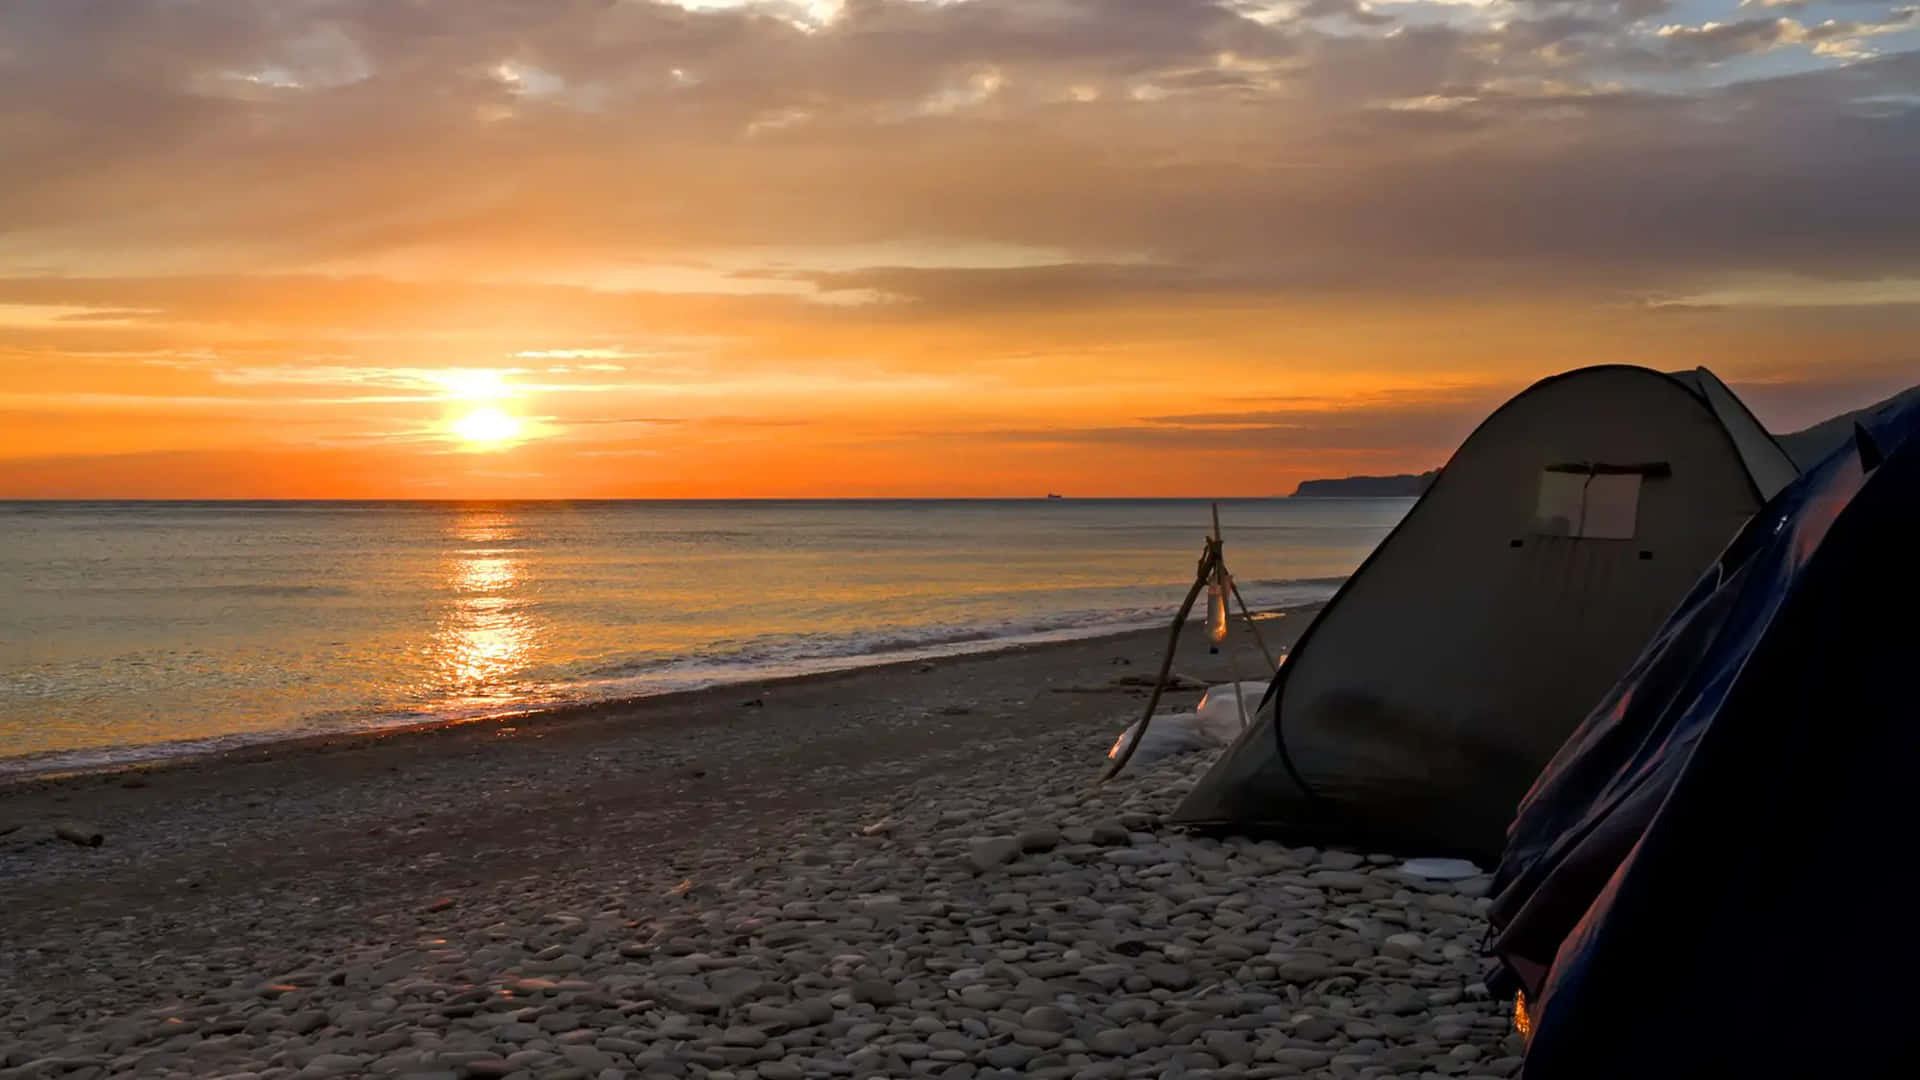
(1207, 561)
(1273, 664)
(1233, 676)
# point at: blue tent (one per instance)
(1712, 877)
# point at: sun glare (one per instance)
(474, 385)
(487, 428)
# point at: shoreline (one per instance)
(900, 871)
(17, 773)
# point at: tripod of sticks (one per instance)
(1212, 570)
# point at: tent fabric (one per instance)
(1700, 881)
(1415, 711)
(1771, 467)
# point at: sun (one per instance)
(487, 428)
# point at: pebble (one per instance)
(1401, 946)
(1009, 1056)
(1038, 839)
(1114, 1042)
(1047, 1018)
(1171, 976)
(984, 855)
(874, 992)
(1014, 926)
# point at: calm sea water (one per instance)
(133, 629)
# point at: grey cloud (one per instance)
(1074, 285)
(1325, 436)
(1713, 43)
(1408, 426)
(1791, 402)
(1619, 13)
(371, 303)
(1268, 148)
(1423, 431)
(1344, 9)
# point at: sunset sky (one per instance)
(588, 248)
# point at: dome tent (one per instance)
(1416, 709)
(1707, 840)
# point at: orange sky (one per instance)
(1123, 247)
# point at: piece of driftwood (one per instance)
(1175, 681)
(1211, 570)
(80, 832)
(1208, 560)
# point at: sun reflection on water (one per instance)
(486, 636)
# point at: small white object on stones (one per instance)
(1440, 869)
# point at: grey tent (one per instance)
(1416, 709)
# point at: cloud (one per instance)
(1715, 42)
(1181, 129)
(1787, 399)
(1408, 425)
(1355, 11)
(651, 421)
(992, 210)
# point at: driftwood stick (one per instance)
(1207, 561)
(1273, 664)
(1233, 673)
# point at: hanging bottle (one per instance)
(1217, 591)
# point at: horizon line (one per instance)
(58, 499)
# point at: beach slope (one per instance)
(892, 872)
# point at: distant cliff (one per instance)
(1366, 487)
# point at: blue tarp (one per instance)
(1712, 876)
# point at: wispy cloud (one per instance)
(958, 240)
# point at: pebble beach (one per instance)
(896, 872)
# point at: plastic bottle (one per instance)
(1217, 607)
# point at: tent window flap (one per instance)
(1596, 502)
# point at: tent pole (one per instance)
(1207, 560)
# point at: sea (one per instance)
(136, 630)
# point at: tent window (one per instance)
(1594, 502)
(1613, 507)
(1560, 509)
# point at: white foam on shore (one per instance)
(748, 664)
